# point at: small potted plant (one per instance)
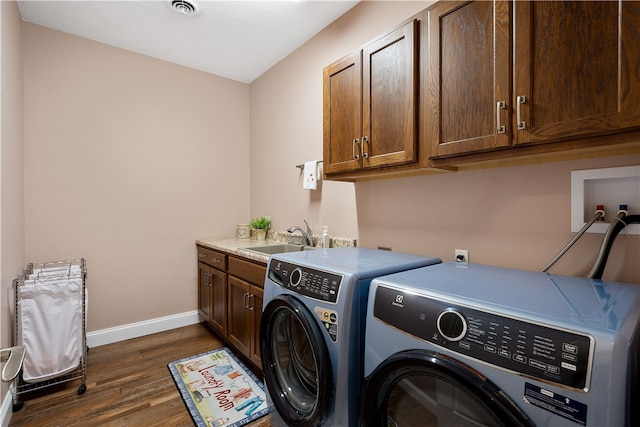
(260, 227)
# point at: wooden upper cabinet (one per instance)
(389, 98)
(505, 74)
(342, 114)
(469, 77)
(576, 65)
(370, 104)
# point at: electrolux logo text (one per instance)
(398, 301)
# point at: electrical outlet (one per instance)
(461, 255)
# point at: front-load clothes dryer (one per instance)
(473, 345)
(312, 330)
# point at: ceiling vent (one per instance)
(186, 7)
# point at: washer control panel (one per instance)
(310, 282)
(536, 350)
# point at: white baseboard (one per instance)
(112, 335)
(139, 329)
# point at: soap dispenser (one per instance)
(325, 236)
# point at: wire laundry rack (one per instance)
(50, 321)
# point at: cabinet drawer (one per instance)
(212, 258)
(252, 273)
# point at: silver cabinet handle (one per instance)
(365, 140)
(499, 126)
(249, 298)
(216, 261)
(519, 101)
(353, 149)
(202, 255)
(206, 279)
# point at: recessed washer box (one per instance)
(610, 187)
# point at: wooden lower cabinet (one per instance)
(218, 290)
(246, 280)
(212, 289)
(245, 309)
(258, 299)
(204, 292)
(230, 299)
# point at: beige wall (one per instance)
(514, 217)
(286, 123)
(11, 167)
(129, 160)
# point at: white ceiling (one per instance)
(239, 40)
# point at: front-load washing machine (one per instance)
(473, 345)
(312, 330)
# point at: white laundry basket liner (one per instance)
(50, 326)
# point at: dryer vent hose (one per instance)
(614, 229)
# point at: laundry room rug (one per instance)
(218, 389)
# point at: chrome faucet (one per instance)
(306, 234)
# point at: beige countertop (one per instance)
(238, 247)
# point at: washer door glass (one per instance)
(423, 388)
(295, 362)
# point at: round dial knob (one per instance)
(452, 325)
(295, 277)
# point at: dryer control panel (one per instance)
(536, 350)
(310, 282)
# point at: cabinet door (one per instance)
(239, 331)
(342, 115)
(576, 64)
(469, 82)
(256, 304)
(204, 291)
(389, 98)
(218, 313)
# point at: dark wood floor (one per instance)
(128, 384)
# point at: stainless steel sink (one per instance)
(278, 249)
